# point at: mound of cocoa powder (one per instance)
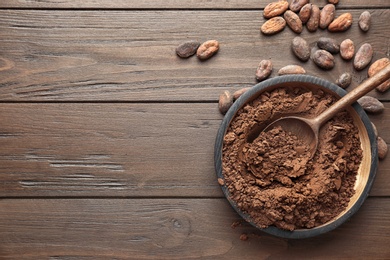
(272, 178)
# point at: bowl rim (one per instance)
(253, 93)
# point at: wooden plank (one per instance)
(129, 56)
(160, 4)
(112, 149)
(172, 229)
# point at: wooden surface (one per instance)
(107, 137)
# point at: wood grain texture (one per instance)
(147, 150)
(173, 229)
(130, 55)
(166, 4)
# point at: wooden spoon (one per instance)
(307, 129)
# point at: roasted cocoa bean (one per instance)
(371, 104)
(187, 49)
(323, 59)
(344, 80)
(275, 8)
(301, 48)
(264, 70)
(335, 2)
(296, 5)
(365, 21)
(363, 56)
(328, 44)
(273, 25)
(375, 68)
(239, 92)
(341, 23)
(291, 69)
(225, 102)
(207, 49)
(312, 23)
(382, 148)
(293, 21)
(347, 49)
(304, 13)
(327, 15)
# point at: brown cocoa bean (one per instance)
(365, 21)
(273, 25)
(335, 2)
(312, 23)
(275, 8)
(382, 148)
(304, 13)
(207, 49)
(239, 92)
(187, 49)
(264, 70)
(363, 56)
(347, 49)
(225, 102)
(341, 23)
(296, 5)
(301, 48)
(293, 21)
(328, 44)
(291, 69)
(371, 104)
(375, 68)
(344, 80)
(323, 59)
(327, 15)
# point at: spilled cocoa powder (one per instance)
(272, 178)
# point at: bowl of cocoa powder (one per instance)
(269, 178)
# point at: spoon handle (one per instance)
(365, 87)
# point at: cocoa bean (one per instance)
(375, 68)
(344, 80)
(264, 70)
(382, 148)
(301, 48)
(312, 23)
(293, 21)
(341, 23)
(273, 25)
(363, 56)
(275, 8)
(207, 49)
(371, 104)
(187, 49)
(239, 92)
(327, 15)
(291, 69)
(225, 101)
(296, 5)
(328, 44)
(365, 21)
(335, 2)
(323, 59)
(347, 49)
(304, 13)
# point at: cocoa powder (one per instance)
(273, 179)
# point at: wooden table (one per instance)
(107, 136)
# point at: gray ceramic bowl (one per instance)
(367, 169)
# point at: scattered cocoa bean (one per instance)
(341, 23)
(291, 69)
(335, 2)
(375, 129)
(225, 102)
(304, 13)
(328, 44)
(344, 80)
(365, 21)
(293, 21)
(375, 68)
(275, 8)
(323, 59)
(296, 5)
(312, 23)
(363, 56)
(301, 48)
(264, 70)
(273, 25)
(207, 49)
(347, 49)
(382, 148)
(327, 15)
(371, 104)
(187, 49)
(239, 92)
